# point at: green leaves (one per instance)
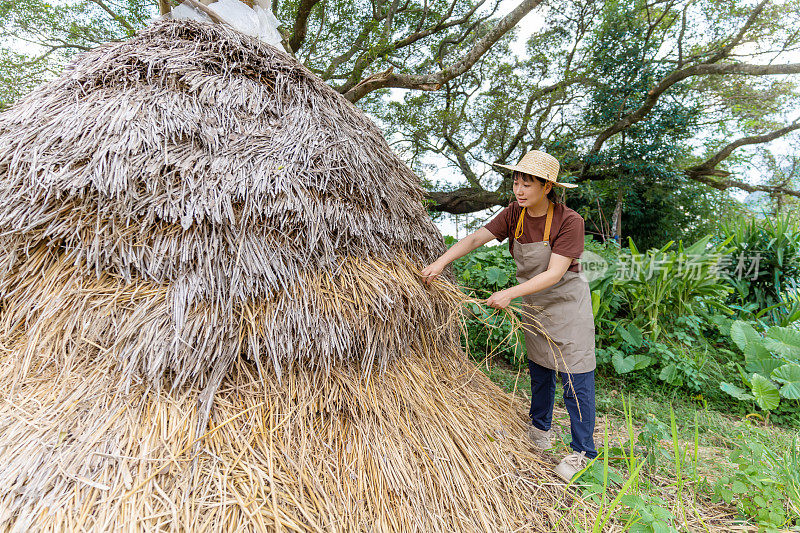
(671, 375)
(496, 276)
(736, 392)
(631, 335)
(789, 375)
(623, 364)
(765, 392)
(763, 367)
(481, 273)
(783, 341)
(743, 334)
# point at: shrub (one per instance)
(771, 290)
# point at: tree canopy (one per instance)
(665, 100)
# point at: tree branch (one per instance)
(723, 184)
(435, 81)
(706, 172)
(711, 163)
(696, 70)
(465, 200)
(708, 67)
(301, 24)
(723, 52)
(370, 55)
(116, 17)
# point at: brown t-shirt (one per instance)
(566, 231)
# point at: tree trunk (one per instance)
(616, 218)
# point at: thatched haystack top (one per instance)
(195, 154)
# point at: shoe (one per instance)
(540, 438)
(571, 465)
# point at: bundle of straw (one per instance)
(190, 216)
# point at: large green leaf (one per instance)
(623, 364)
(789, 375)
(496, 276)
(670, 374)
(763, 367)
(755, 351)
(642, 361)
(765, 392)
(631, 335)
(743, 334)
(736, 392)
(783, 341)
(636, 333)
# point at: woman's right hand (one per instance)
(431, 272)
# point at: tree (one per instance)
(357, 47)
(468, 99)
(705, 77)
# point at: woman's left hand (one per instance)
(500, 299)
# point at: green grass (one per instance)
(692, 451)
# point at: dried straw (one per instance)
(190, 216)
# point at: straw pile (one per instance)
(212, 317)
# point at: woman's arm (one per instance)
(459, 249)
(555, 271)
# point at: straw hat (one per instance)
(539, 164)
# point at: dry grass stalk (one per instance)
(426, 445)
(192, 215)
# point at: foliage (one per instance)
(764, 486)
(582, 92)
(639, 168)
(38, 37)
(343, 42)
(765, 258)
(654, 310)
(671, 283)
(636, 503)
(656, 210)
(771, 365)
(482, 273)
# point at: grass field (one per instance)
(687, 449)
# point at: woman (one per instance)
(546, 240)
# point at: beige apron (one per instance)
(566, 316)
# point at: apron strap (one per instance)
(547, 223)
(518, 231)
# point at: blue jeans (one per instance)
(578, 397)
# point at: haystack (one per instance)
(212, 317)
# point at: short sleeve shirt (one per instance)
(566, 231)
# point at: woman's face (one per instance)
(528, 190)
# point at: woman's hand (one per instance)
(500, 299)
(431, 272)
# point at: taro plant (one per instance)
(771, 365)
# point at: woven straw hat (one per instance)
(539, 164)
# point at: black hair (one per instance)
(552, 195)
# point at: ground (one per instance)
(705, 439)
